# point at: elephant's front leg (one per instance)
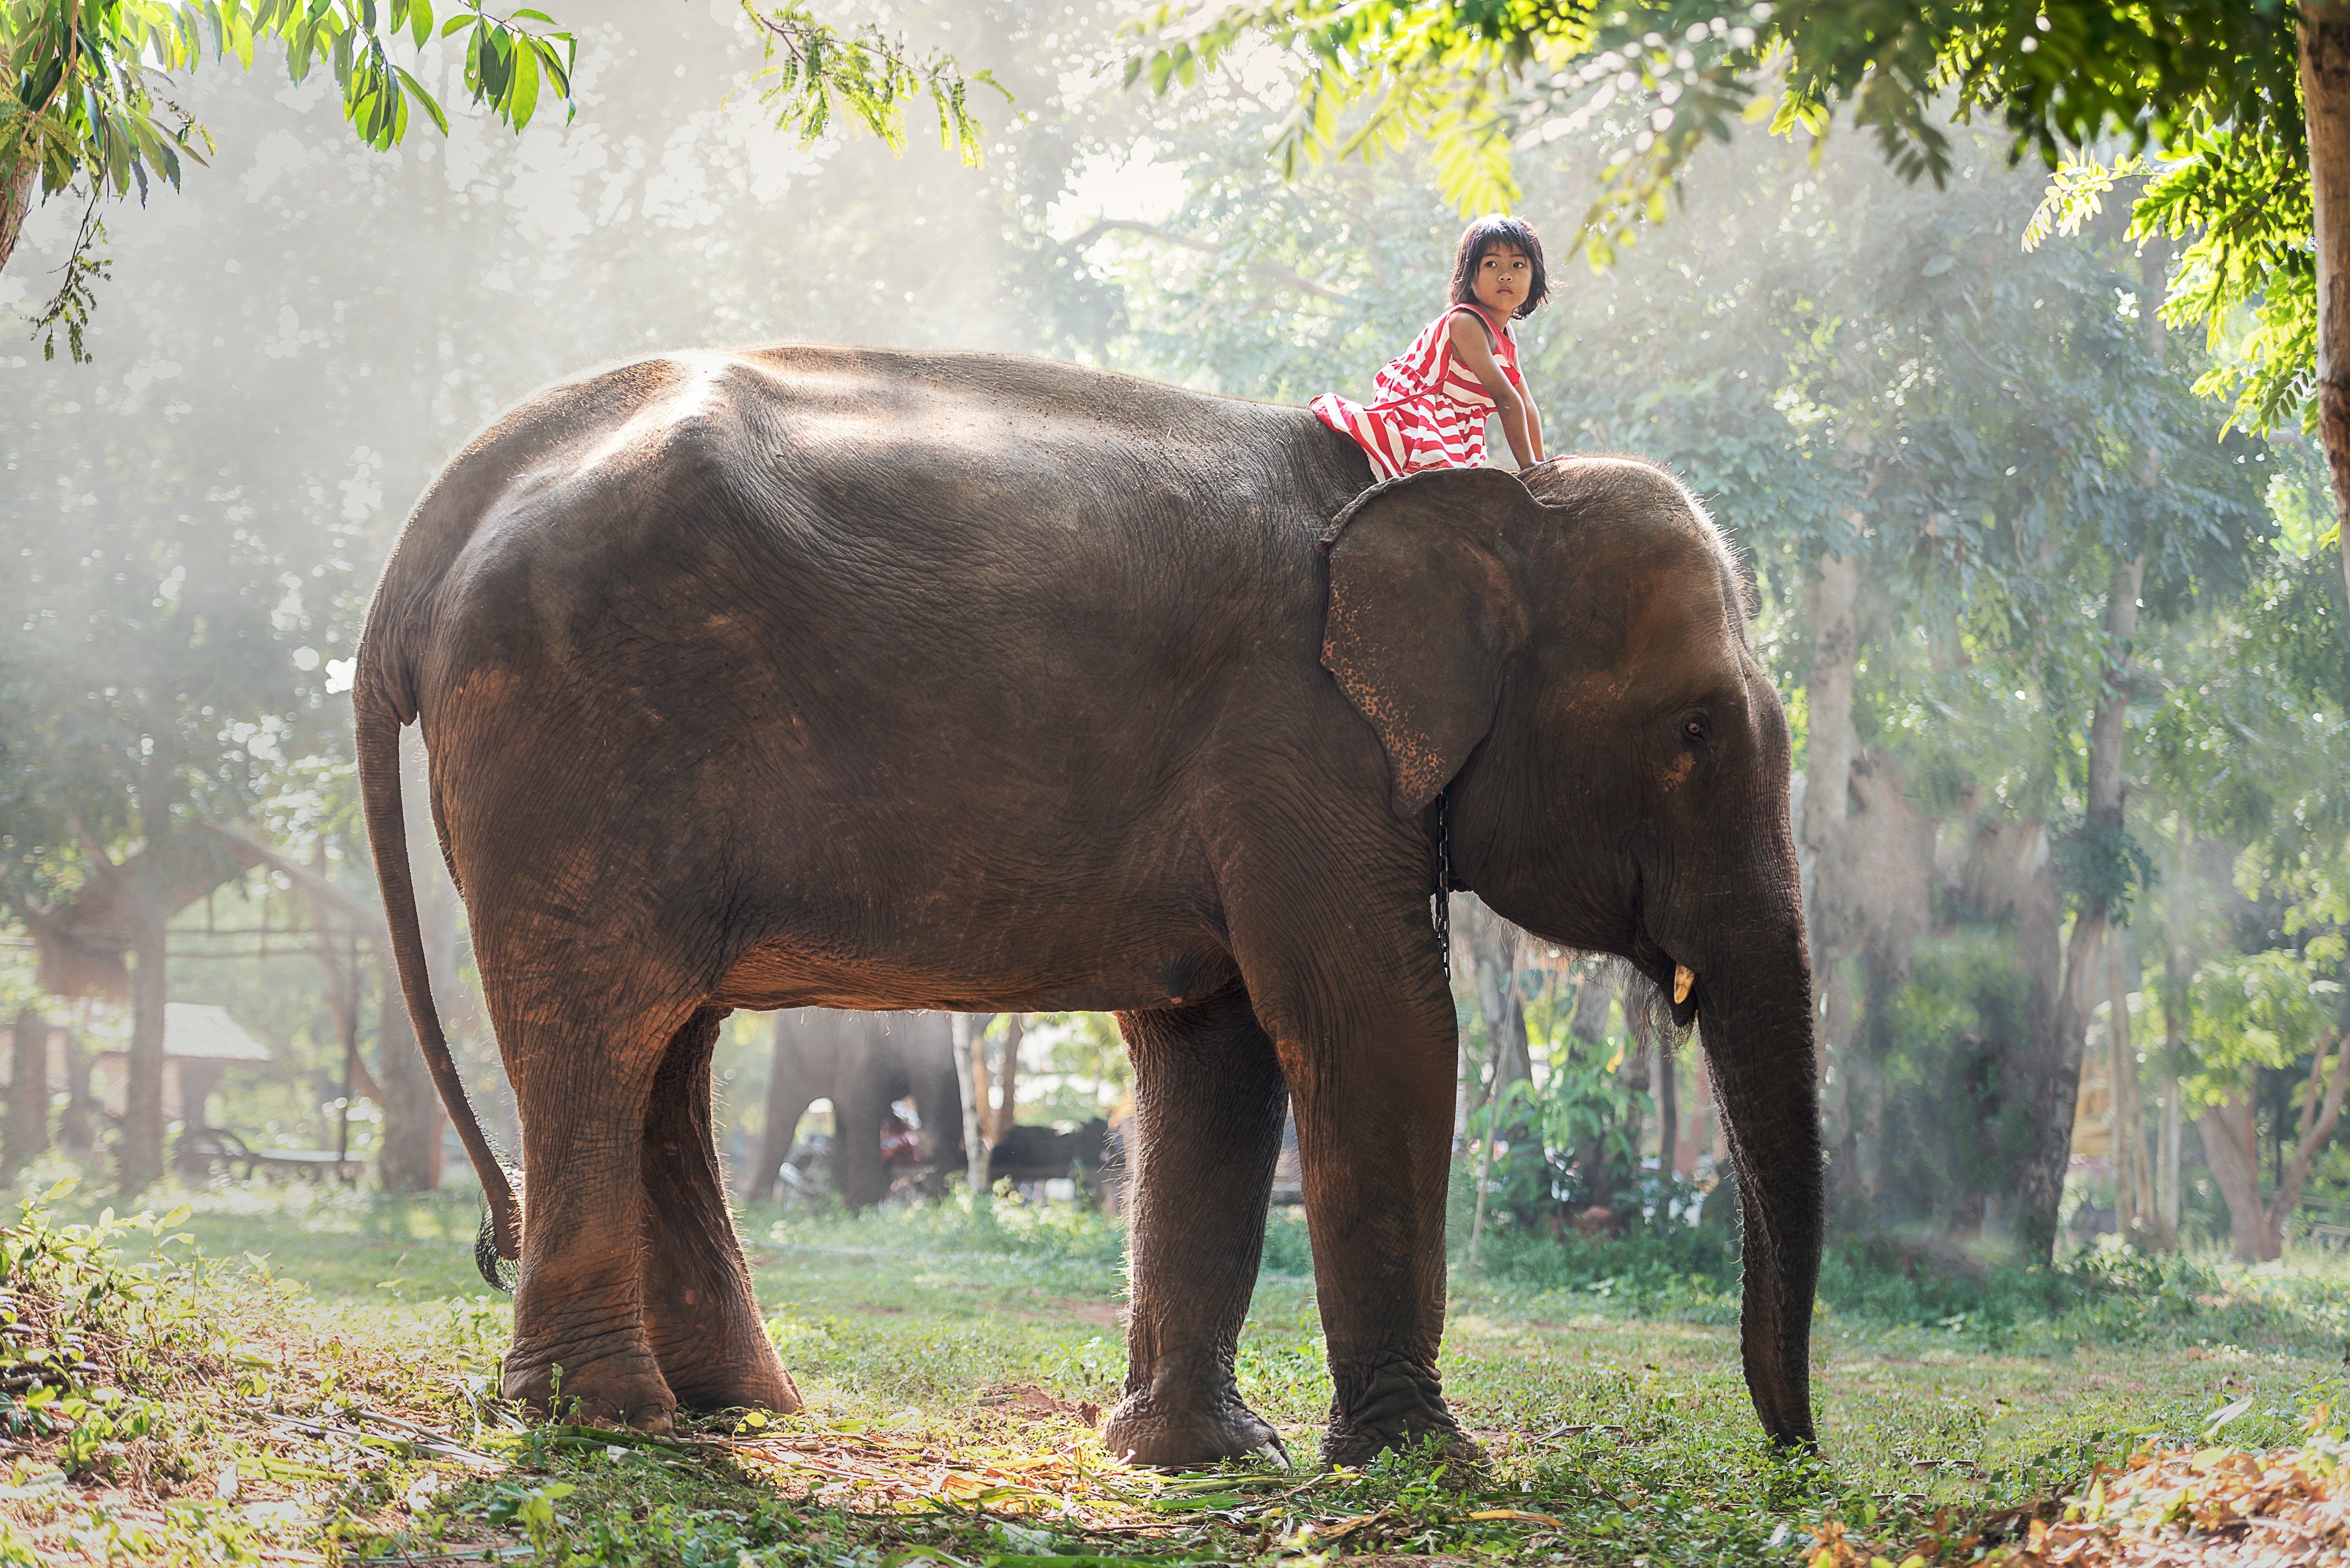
(1208, 1096)
(1367, 1039)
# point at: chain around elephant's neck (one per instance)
(1440, 911)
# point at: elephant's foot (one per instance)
(1401, 1414)
(1354, 1447)
(748, 1379)
(623, 1389)
(1144, 1432)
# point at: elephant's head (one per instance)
(1569, 664)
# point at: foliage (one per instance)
(91, 102)
(2212, 87)
(1577, 1109)
(1479, 76)
(2268, 1009)
(810, 63)
(94, 1346)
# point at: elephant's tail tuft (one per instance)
(500, 1271)
(378, 716)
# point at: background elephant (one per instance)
(811, 677)
(862, 1062)
(1041, 1154)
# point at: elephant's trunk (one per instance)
(1755, 1019)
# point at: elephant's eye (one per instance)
(1694, 729)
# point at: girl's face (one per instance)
(1502, 277)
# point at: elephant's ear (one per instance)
(1425, 614)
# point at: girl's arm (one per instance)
(1516, 412)
(1533, 425)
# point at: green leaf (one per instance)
(431, 107)
(555, 66)
(525, 87)
(420, 27)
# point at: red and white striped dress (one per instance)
(1431, 407)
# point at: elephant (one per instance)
(802, 676)
(862, 1062)
(1040, 1154)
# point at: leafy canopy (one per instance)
(86, 87)
(2209, 87)
(1484, 79)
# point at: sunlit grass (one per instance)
(1602, 1381)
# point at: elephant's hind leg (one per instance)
(579, 1346)
(700, 1316)
(1210, 1100)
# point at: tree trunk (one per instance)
(1664, 1075)
(1828, 788)
(410, 1157)
(1594, 997)
(1496, 945)
(799, 1074)
(28, 1090)
(74, 1128)
(2121, 1080)
(2230, 1150)
(2311, 1136)
(140, 1155)
(2062, 1032)
(1006, 1114)
(2325, 52)
(2166, 1166)
(1827, 767)
(970, 1074)
(2134, 1180)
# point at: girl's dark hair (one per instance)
(1492, 233)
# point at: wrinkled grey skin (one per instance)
(863, 1063)
(806, 677)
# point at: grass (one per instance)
(307, 1377)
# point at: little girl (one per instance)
(1434, 397)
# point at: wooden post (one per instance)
(141, 1154)
(28, 1090)
(346, 1020)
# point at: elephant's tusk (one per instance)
(1683, 977)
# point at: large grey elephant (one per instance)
(862, 1062)
(813, 677)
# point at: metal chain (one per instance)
(1441, 910)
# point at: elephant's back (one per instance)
(820, 459)
(809, 531)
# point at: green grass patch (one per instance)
(312, 1372)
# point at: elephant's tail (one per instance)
(378, 718)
